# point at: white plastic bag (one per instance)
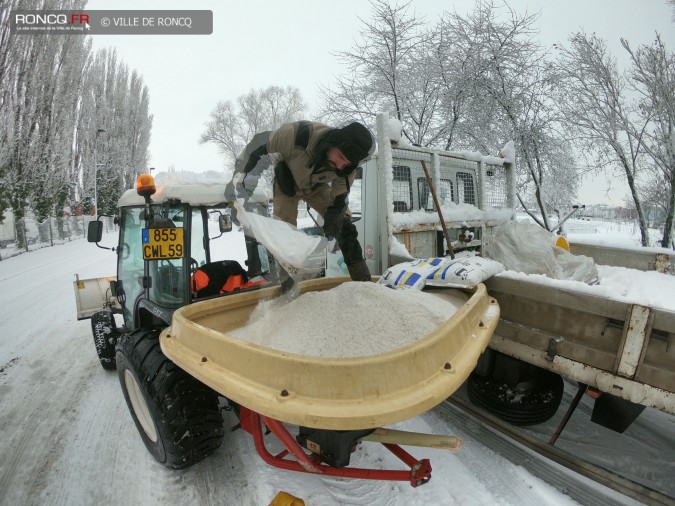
(526, 247)
(301, 255)
(576, 267)
(410, 274)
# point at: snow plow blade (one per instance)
(327, 392)
(93, 295)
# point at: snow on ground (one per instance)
(604, 232)
(68, 438)
(645, 452)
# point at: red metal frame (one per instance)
(252, 422)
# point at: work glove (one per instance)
(332, 218)
(332, 229)
(235, 189)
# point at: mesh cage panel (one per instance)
(459, 181)
(466, 188)
(461, 177)
(402, 189)
(444, 193)
(411, 155)
(496, 187)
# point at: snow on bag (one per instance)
(296, 252)
(465, 272)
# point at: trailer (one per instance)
(618, 350)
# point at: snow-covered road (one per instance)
(68, 439)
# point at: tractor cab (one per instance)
(176, 246)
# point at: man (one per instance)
(315, 163)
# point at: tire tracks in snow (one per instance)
(35, 433)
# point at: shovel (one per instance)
(450, 250)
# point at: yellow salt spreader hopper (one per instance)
(335, 402)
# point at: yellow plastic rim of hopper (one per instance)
(327, 392)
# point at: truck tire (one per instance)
(528, 404)
(105, 337)
(178, 417)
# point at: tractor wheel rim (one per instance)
(139, 406)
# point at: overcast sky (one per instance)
(258, 43)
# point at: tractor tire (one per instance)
(105, 337)
(529, 404)
(178, 417)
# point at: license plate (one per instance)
(163, 243)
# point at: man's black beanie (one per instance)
(355, 142)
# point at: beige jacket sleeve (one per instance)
(282, 140)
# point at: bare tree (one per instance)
(388, 70)
(56, 116)
(118, 104)
(468, 82)
(653, 77)
(498, 86)
(600, 115)
(232, 126)
(224, 130)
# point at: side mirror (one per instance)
(225, 223)
(95, 231)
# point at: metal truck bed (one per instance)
(618, 347)
(325, 392)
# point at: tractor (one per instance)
(169, 254)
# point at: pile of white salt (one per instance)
(351, 320)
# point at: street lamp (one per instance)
(99, 131)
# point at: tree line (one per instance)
(67, 116)
(474, 81)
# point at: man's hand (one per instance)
(332, 218)
(332, 224)
(331, 231)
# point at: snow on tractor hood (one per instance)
(206, 188)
